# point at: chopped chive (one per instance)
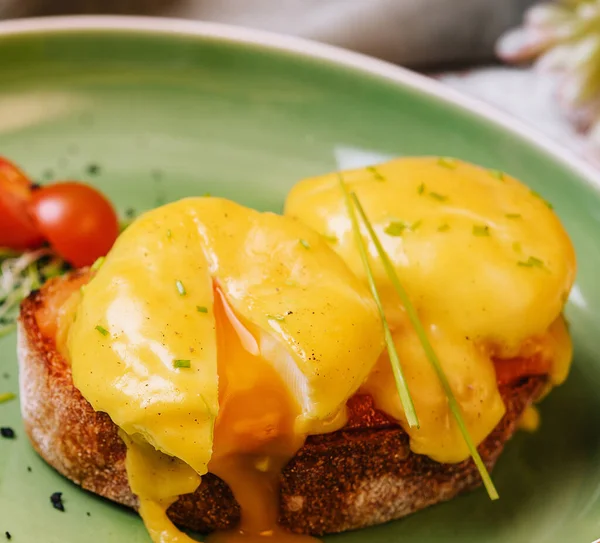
(538, 195)
(421, 188)
(481, 231)
(517, 247)
(415, 225)
(98, 263)
(498, 174)
(6, 396)
(169, 233)
(373, 170)
(102, 330)
(513, 215)
(395, 228)
(438, 197)
(443, 227)
(180, 288)
(182, 363)
(201, 309)
(401, 384)
(279, 318)
(531, 262)
(304, 243)
(429, 351)
(330, 238)
(447, 162)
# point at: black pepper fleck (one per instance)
(93, 169)
(29, 469)
(8, 536)
(56, 500)
(7, 432)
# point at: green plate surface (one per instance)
(167, 110)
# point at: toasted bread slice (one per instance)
(362, 475)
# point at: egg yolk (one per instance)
(217, 338)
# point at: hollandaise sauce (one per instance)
(217, 338)
(488, 267)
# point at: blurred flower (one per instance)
(563, 38)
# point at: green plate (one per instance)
(169, 109)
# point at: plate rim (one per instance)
(314, 50)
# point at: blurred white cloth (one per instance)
(528, 95)
(408, 32)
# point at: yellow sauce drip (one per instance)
(254, 436)
(530, 419)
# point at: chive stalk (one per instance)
(6, 396)
(427, 347)
(102, 330)
(401, 384)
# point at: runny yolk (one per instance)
(254, 434)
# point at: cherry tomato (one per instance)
(78, 221)
(17, 229)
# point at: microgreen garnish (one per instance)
(481, 231)
(395, 228)
(425, 344)
(421, 188)
(497, 174)
(279, 318)
(513, 215)
(182, 363)
(98, 264)
(180, 288)
(447, 162)
(531, 262)
(304, 243)
(201, 309)
(102, 330)
(6, 396)
(443, 227)
(19, 275)
(373, 170)
(401, 384)
(437, 196)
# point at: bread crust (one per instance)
(362, 475)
